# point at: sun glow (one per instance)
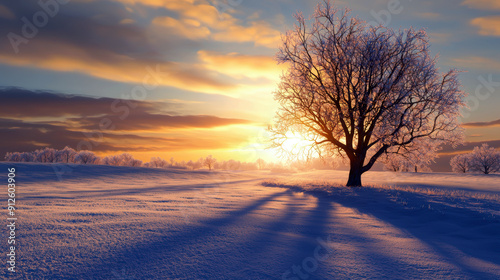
(298, 145)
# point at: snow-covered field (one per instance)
(104, 222)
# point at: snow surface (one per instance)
(105, 222)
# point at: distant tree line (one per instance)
(69, 155)
(415, 158)
(482, 159)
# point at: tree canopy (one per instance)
(362, 91)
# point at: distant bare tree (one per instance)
(209, 162)
(21, 157)
(135, 163)
(485, 159)
(45, 155)
(260, 163)
(126, 159)
(360, 91)
(112, 160)
(394, 163)
(157, 162)
(28, 157)
(13, 156)
(461, 163)
(86, 157)
(66, 155)
(415, 157)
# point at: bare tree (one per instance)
(86, 157)
(461, 163)
(260, 163)
(46, 155)
(13, 156)
(157, 162)
(66, 155)
(112, 160)
(209, 162)
(135, 163)
(417, 156)
(485, 159)
(394, 163)
(360, 91)
(28, 157)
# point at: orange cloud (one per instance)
(188, 28)
(6, 12)
(429, 15)
(58, 120)
(261, 33)
(153, 3)
(126, 52)
(127, 21)
(483, 4)
(231, 75)
(112, 66)
(239, 65)
(476, 62)
(201, 20)
(488, 26)
(439, 38)
(493, 123)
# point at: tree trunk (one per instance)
(355, 175)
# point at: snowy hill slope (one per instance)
(103, 222)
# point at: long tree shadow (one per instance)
(315, 226)
(68, 172)
(274, 247)
(252, 252)
(447, 224)
(101, 193)
(174, 255)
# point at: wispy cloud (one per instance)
(238, 65)
(37, 119)
(122, 46)
(482, 4)
(201, 20)
(188, 28)
(6, 12)
(429, 15)
(482, 124)
(488, 26)
(439, 37)
(476, 62)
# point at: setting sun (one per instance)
(297, 145)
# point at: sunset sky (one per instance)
(202, 73)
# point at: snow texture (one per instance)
(107, 222)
